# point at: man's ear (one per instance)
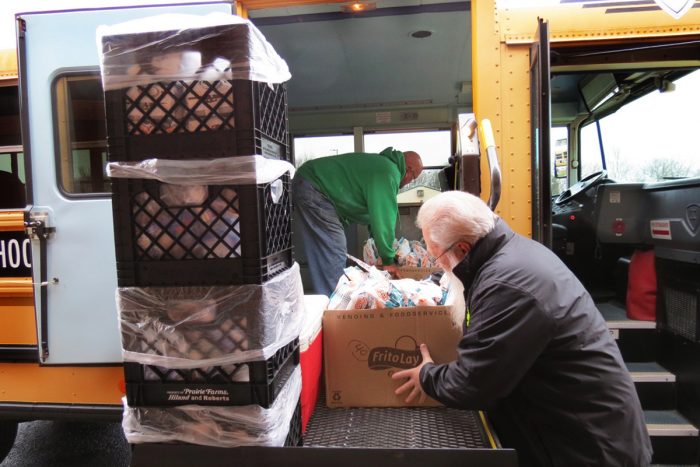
(463, 247)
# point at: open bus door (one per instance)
(541, 123)
(73, 273)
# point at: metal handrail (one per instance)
(492, 157)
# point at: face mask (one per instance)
(456, 289)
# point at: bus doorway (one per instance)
(624, 176)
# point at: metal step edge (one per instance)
(679, 429)
(653, 377)
(631, 324)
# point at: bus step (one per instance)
(655, 385)
(636, 339)
(616, 317)
(673, 438)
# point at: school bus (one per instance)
(562, 83)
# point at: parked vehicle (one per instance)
(562, 93)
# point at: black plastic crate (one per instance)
(156, 386)
(197, 120)
(232, 234)
(153, 113)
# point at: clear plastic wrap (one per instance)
(172, 47)
(241, 170)
(361, 290)
(409, 253)
(195, 327)
(220, 426)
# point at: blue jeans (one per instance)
(322, 235)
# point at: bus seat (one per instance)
(12, 194)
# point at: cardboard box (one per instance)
(363, 348)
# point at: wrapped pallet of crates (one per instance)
(210, 303)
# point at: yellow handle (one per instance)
(487, 133)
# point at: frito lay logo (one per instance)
(404, 354)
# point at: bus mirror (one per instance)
(561, 158)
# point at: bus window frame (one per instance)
(58, 127)
(451, 130)
(364, 131)
(14, 152)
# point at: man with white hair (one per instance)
(536, 352)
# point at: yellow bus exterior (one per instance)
(502, 36)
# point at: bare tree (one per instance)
(666, 168)
(619, 168)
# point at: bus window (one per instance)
(9, 117)
(313, 147)
(12, 160)
(636, 138)
(81, 145)
(433, 146)
(12, 178)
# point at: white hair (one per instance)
(455, 216)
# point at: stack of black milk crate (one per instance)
(209, 299)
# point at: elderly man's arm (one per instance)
(412, 376)
(507, 332)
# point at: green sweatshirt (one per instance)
(363, 189)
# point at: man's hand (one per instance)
(391, 269)
(413, 376)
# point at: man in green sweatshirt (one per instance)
(331, 192)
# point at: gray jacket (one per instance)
(537, 354)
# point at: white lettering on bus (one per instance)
(26, 248)
(14, 255)
(13, 249)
